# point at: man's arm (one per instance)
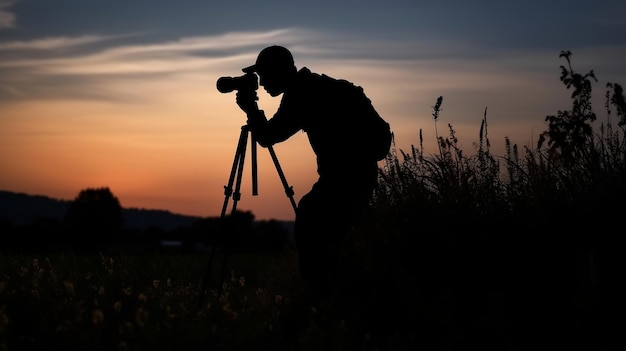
(247, 101)
(266, 132)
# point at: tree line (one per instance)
(94, 222)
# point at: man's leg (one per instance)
(316, 232)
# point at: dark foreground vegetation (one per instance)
(512, 252)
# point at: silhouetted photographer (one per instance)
(348, 137)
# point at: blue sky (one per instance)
(489, 24)
(122, 93)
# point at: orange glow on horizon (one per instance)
(147, 159)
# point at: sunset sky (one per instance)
(123, 94)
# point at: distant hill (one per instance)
(22, 209)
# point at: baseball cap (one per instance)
(271, 58)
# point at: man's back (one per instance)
(338, 119)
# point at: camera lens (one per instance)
(226, 84)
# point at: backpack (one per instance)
(378, 135)
(373, 132)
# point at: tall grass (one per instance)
(573, 171)
(536, 230)
(504, 252)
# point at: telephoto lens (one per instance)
(247, 81)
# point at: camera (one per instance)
(245, 82)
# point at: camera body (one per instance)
(246, 82)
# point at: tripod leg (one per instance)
(288, 189)
(242, 156)
(253, 153)
(236, 197)
(236, 170)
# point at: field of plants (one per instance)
(494, 252)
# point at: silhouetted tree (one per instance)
(570, 132)
(236, 228)
(269, 235)
(232, 230)
(94, 218)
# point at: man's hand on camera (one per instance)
(247, 101)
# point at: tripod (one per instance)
(236, 173)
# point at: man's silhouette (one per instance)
(336, 123)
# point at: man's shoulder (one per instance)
(306, 77)
(314, 80)
(304, 71)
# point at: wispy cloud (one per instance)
(61, 62)
(138, 58)
(52, 43)
(397, 72)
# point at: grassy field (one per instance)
(66, 301)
